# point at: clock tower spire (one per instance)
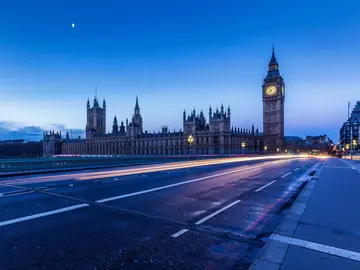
(273, 93)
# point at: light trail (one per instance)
(143, 169)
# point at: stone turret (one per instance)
(96, 119)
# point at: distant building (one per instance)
(273, 95)
(322, 140)
(199, 135)
(294, 142)
(18, 141)
(20, 148)
(52, 143)
(349, 131)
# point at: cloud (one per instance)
(14, 130)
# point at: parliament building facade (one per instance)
(199, 136)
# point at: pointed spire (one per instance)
(104, 103)
(88, 104)
(96, 103)
(137, 108)
(273, 59)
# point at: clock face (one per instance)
(283, 90)
(270, 90)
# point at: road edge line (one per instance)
(291, 219)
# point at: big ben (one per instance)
(273, 94)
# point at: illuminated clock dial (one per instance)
(283, 90)
(270, 90)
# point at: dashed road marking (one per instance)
(296, 169)
(268, 184)
(216, 212)
(180, 183)
(177, 234)
(16, 194)
(4, 195)
(285, 175)
(44, 214)
(122, 178)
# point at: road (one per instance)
(186, 215)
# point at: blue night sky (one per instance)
(176, 55)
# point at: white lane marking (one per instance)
(122, 179)
(177, 234)
(286, 175)
(216, 212)
(60, 210)
(16, 194)
(4, 195)
(268, 184)
(318, 247)
(296, 169)
(303, 165)
(71, 185)
(179, 184)
(338, 167)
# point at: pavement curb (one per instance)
(273, 253)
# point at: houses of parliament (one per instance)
(199, 136)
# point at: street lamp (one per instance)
(278, 149)
(243, 146)
(190, 141)
(265, 148)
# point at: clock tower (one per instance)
(273, 95)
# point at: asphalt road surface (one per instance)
(186, 215)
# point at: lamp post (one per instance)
(278, 150)
(351, 142)
(354, 144)
(265, 148)
(243, 145)
(190, 141)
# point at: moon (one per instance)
(73, 25)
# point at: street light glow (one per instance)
(190, 139)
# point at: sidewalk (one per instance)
(322, 228)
